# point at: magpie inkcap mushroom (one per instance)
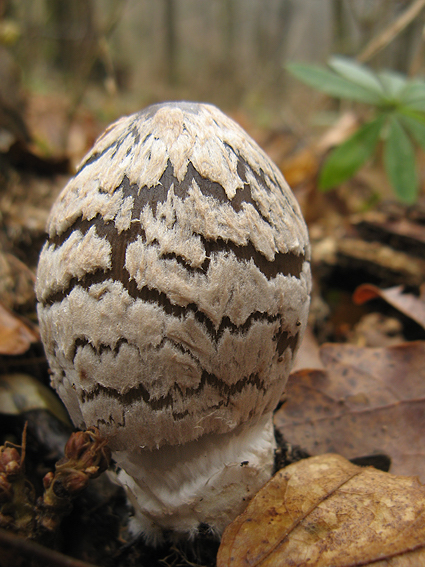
(173, 293)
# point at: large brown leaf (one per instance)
(366, 401)
(326, 511)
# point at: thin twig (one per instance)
(80, 87)
(391, 32)
(27, 548)
(24, 447)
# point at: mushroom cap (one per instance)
(173, 290)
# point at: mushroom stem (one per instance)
(207, 481)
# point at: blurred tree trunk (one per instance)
(74, 28)
(261, 33)
(271, 36)
(171, 44)
(228, 75)
(229, 18)
(339, 27)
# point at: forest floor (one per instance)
(360, 366)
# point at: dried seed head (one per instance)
(72, 482)
(86, 451)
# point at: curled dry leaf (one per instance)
(367, 401)
(326, 511)
(407, 303)
(15, 335)
(20, 393)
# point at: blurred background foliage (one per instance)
(119, 55)
(68, 68)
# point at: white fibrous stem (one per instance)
(208, 481)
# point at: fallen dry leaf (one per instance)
(308, 353)
(407, 303)
(345, 127)
(380, 261)
(367, 401)
(377, 330)
(300, 167)
(326, 511)
(16, 282)
(15, 335)
(393, 227)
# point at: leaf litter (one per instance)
(25, 206)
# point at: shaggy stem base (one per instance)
(209, 481)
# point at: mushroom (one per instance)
(173, 293)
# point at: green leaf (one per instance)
(330, 83)
(347, 158)
(399, 160)
(356, 73)
(415, 127)
(413, 95)
(393, 83)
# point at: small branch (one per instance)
(391, 32)
(80, 86)
(27, 548)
